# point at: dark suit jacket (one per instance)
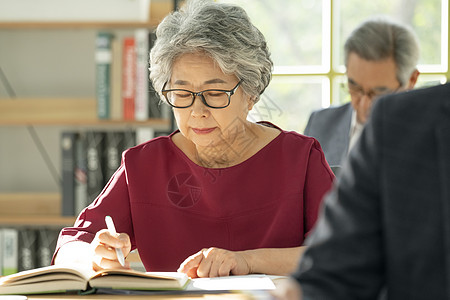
(331, 127)
(387, 222)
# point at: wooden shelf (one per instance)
(76, 25)
(32, 209)
(37, 221)
(65, 111)
(158, 10)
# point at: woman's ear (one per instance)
(251, 102)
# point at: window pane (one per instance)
(293, 30)
(340, 92)
(288, 101)
(424, 16)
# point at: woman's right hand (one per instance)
(103, 248)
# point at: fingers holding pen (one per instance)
(104, 249)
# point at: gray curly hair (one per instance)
(222, 31)
(380, 38)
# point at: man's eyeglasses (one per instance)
(212, 98)
(357, 91)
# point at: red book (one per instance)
(128, 77)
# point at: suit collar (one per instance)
(447, 107)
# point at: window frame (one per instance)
(330, 58)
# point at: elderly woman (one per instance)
(221, 195)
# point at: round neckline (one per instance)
(263, 149)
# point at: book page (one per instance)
(51, 279)
(233, 283)
(66, 272)
(132, 279)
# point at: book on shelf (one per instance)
(46, 244)
(103, 60)
(123, 86)
(129, 139)
(94, 153)
(155, 110)
(114, 146)
(27, 249)
(68, 139)
(141, 107)
(144, 134)
(60, 278)
(1, 252)
(128, 77)
(89, 159)
(80, 171)
(10, 250)
(116, 80)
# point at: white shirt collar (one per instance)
(355, 130)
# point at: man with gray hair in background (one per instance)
(380, 58)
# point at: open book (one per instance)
(59, 279)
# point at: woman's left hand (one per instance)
(215, 262)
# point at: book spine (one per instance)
(1, 251)
(46, 244)
(116, 80)
(154, 108)
(80, 189)
(103, 58)
(142, 74)
(129, 139)
(68, 177)
(128, 77)
(94, 151)
(10, 251)
(114, 141)
(27, 249)
(144, 134)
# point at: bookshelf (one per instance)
(158, 10)
(61, 111)
(42, 208)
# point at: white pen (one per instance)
(112, 231)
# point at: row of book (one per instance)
(26, 248)
(89, 159)
(123, 87)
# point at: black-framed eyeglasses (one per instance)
(212, 98)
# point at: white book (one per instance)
(144, 134)
(142, 74)
(10, 251)
(1, 251)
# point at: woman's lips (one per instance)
(203, 130)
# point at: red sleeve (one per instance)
(319, 180)
(112, 201)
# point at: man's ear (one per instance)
(413, 79)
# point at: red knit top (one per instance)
(171, 207)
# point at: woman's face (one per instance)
(202, 125)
